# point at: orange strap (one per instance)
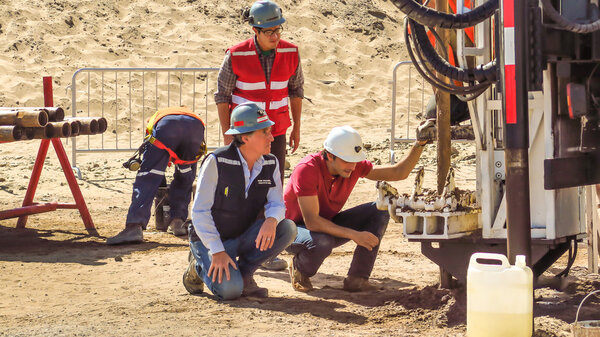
(163, 113)
(173, 157)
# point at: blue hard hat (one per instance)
(248, 117)
(265, 14)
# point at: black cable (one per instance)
(436, 82)
(439, 40)
(566, 24)
(482, 73)
(422, 67)
(424, 62)
(432, 18)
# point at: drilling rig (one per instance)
(531, 78)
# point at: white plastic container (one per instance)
(499, 297)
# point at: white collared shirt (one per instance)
(205, 196)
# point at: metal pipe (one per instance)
(45, 132)
(75, 127)
(55, 114)
(62, 129)
(442, 100)
(23, 118)
(102, 125)
(10, 133)
(515, 61)
(88, 125)
(27, 134)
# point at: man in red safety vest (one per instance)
(173, 135)
(265, 70)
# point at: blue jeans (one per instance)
(246, 256)
(311, 248)
(184, 135)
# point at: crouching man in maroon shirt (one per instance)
(318, 189)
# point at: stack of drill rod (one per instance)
(42, 123)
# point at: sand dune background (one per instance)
(58, 280)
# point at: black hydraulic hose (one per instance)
(482, 73)
(439, 40)
(429, 75)
(473, 91)
(566, 24)
(432, 18)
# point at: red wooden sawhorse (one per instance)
(29, 207)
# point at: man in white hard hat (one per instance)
(238, 214)
(264, 69)
(318, 189)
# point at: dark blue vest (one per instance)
(232, 212)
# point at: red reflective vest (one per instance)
(153, 120)
(251, 84)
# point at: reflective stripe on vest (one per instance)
(287, 50)
(243, 53)
(252, 86)
(237, 100)
(263, 105)
(229, 161)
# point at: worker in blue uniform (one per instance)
(173, 135)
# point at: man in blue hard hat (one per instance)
(266, 70)
(238, 217)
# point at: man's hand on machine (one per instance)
(426, 132)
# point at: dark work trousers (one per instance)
(311, 248)
(184, 135)
(278, 149)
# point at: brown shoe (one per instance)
(191, 280)
(300, 282)
(177, 227)
(251, 289)
(356, 284)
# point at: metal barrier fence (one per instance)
(126, 97)
(415, 94)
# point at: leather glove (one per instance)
(426, 131)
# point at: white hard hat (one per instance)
(345, 142)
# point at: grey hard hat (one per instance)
(248, 117)
(265, 14)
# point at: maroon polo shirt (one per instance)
(311, 177)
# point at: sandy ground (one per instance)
(57, 279)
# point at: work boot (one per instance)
(251, 289)
(176, 226)
(162, 227)
(131, 234)
(356, 284)
(275, 264)
(191, 280)
(300, 282)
